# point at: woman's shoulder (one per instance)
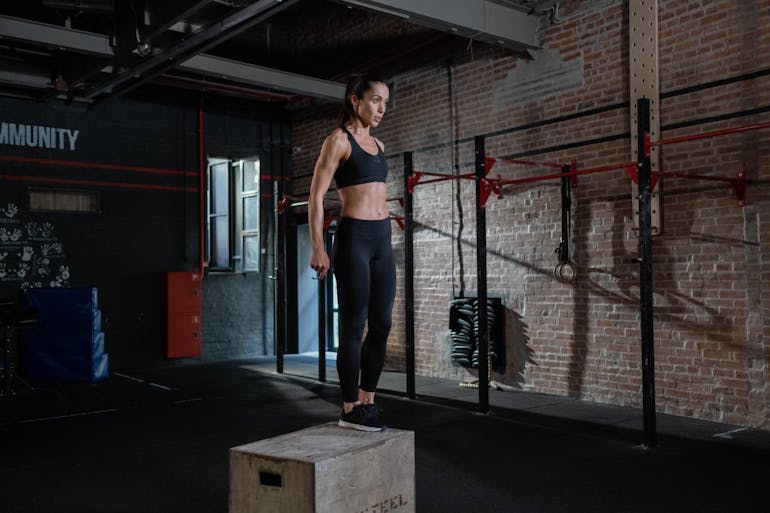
(337, 141)
(338, 135)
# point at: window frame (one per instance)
(236, 195)
(243, 233)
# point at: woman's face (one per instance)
(371, 106)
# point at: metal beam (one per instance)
(52, 36)
(263, 77)
(483, 20)
(64, 39)
(153, 66)
(18, 78)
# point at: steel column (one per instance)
(322, 329)
(481, 266)
(566, 211)
(329, 288)
(409, 276)
(279, 275)
(645, 275)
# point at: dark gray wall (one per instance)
(239, 313)
(149, 219)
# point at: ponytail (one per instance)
(357, 86)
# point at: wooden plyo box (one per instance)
(325, 469)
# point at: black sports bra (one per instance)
(361, 166)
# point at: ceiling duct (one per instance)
(482, 20)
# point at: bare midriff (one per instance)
(367, 201)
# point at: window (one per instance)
(250, 247)
(43, 199)
(233, 215)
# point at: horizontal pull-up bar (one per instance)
(738, 183)
(414, 179)
(648, 144)
(532, 163)
(576, 172)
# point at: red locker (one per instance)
(183, 314)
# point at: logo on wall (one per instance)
(37, 136)
(30, 253)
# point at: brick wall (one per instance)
(582, 339)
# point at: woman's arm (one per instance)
(333, 151)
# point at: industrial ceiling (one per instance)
(276, 50)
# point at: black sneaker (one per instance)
(375, 412)
(363, 418)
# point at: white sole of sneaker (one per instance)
(359, 427)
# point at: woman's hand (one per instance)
(319, 261)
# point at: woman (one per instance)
(362, 256)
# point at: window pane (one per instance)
(251, 213)
(220, 242)
(251, 253)
(219, 188)
(62, 200)
(250, 176)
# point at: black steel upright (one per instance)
(325, 311)
(566, 210)
(409, 276)
(645, 272)
(481, 266)
(329, 288)
(322, 329)
(279, 277)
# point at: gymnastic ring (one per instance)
(565, 272)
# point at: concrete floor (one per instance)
(157, 440)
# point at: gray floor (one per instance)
(450, 393)
(157, 440)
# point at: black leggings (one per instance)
(366, 287)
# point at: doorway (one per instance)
(310, 309)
